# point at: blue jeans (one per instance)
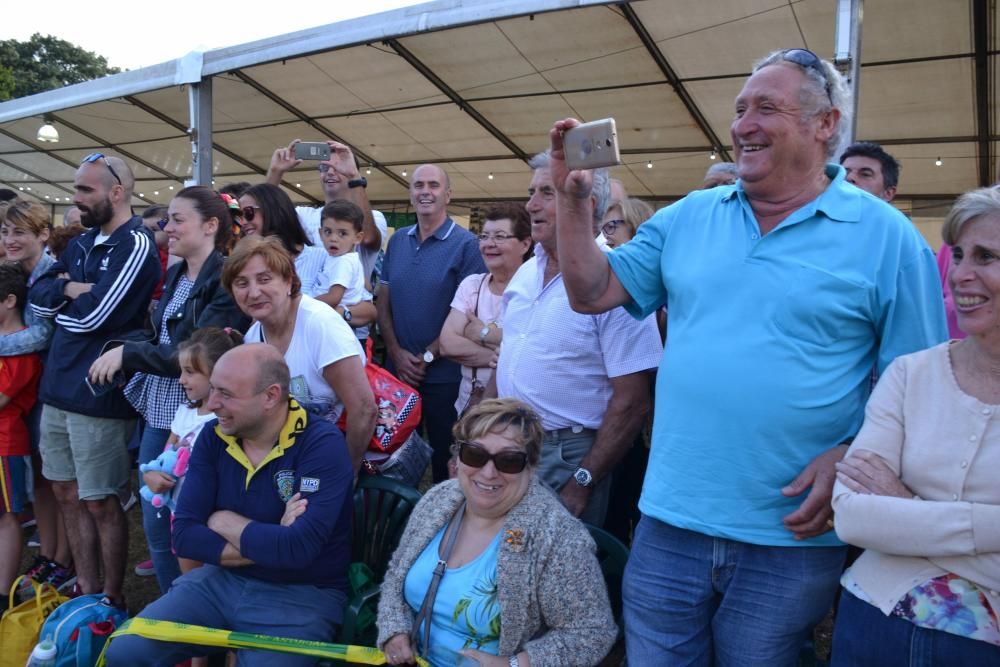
(217, 597)
(691, 599)
(865, 637)
(156, 521)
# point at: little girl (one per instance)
(197, 357)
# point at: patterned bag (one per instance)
(398, 408)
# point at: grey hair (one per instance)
(813, 97)
(721, 170)
(601, 189)
(974, 204)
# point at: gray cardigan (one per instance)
(553, 600)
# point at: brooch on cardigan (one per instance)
(514, 539)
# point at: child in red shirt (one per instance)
(19, 377)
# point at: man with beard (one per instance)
(97, 293)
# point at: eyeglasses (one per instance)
(809, 60)
(475, 456)
(248, 212)
(498, 237)
(323, 168)
(94, 157)
(609, 227)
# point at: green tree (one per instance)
(6, 83)
(45, 62)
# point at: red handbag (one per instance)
(398, 403)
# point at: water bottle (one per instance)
(43, 655)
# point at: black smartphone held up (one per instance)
(312, 150)
(98, 390)
(592, 145)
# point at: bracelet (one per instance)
(513, 662)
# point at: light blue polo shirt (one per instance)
(771, 345)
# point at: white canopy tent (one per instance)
(476, 85)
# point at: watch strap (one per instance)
(359, 182)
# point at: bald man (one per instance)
(266, 505)
(97, 293)
(423, 267)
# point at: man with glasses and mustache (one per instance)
(585, 375)
(267, 506)
(783, 291)
(98, 292)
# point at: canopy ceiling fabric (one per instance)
(475, 86)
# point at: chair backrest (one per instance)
(612, 556)
(382, 507)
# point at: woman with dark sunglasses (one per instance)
(198, 227)
(521, 584)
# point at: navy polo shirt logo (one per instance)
(284, 480)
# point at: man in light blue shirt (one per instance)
(783, 291)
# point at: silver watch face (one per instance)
(428, 356)
(484, 332)
(583, 477)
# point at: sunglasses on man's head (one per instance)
(809, 60)
(475, 456)
(94, 157)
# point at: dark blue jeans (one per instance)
(437, 417)
(865, 637)
(692, 599)
(156, 521)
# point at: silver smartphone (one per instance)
(592, 145)
(312, 150)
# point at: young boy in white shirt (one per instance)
(341, 232)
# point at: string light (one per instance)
(368, 171)
(649, 164)
(156, 192)
(298, 185)
(171, 187)
(712, 156)
(404, 173)
(937, 162)
(490, 176)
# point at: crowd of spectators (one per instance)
(778, 361)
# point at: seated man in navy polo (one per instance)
(423, 266)
(266, 505)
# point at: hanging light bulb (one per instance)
(48, 133)
(490, 176)
(368, 171)
(404, 173)
(937, 162)
(171, 187)
(649, 164)
(298, 185)
(712, 156)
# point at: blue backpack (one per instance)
(80, 628)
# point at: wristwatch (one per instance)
(583, 477)
(347, 314)
(513, 662)
(483, 333)
(360, 182)
(428, 357)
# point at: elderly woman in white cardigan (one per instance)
(920, 486)
(522, 587)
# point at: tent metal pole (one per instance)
(847, 54)
(200, 103)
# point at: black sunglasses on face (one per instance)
(249, 212)
(809, 60)
(94, 157)
(476, 456)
